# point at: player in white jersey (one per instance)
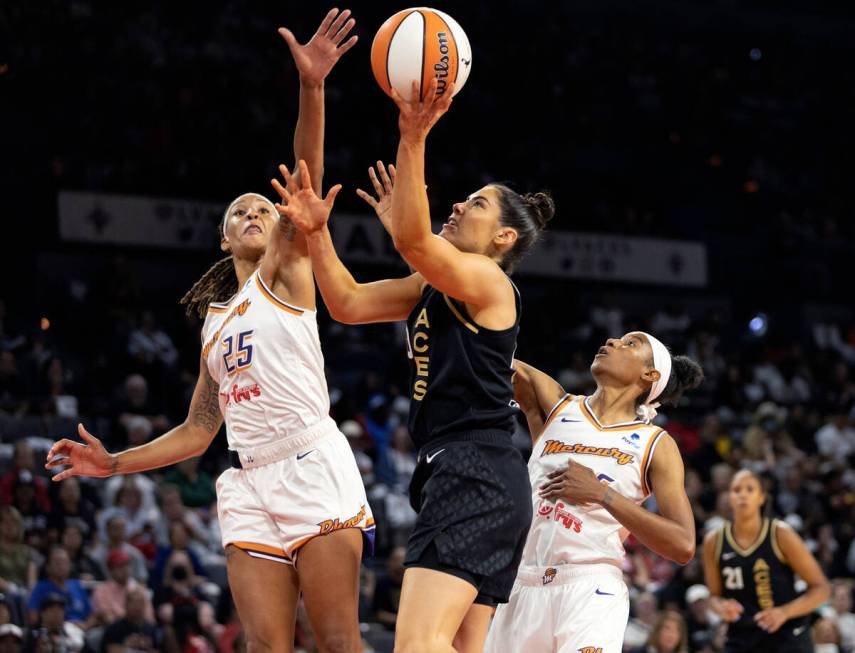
(595, 460)
(293, 476)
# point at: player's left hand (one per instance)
(771, 619)
(308, 212)
(574, 484)
(315, 59)
(418, 116)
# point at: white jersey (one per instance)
(619, 455)
(266, 357)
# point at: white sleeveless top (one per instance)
(266, 357)
(620, 455)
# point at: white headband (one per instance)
(238, 199)
(662, 364)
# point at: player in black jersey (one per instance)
(471, 485)
(750, 566)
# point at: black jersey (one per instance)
(759, 578)
(461, 372)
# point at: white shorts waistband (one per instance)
(561, 574)
(288, 446)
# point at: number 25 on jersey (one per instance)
(237, 352)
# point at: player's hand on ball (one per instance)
(383, 183)
(419, 116)
(574, 484)
(308, 212)
(89, 459)
(315, 59)
(771, 619)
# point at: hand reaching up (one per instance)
(308, 212)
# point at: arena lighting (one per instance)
(755, 54)
(759, 325)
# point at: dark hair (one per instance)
(527, 215)
(686, 374)
(216, 285)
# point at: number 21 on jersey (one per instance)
(237, 352)
(733, 578)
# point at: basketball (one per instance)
(416, 44)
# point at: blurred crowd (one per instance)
(686, 123)
(136, 562)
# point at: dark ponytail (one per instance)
(528, 215)
(686, 374)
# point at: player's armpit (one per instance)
(537, 394)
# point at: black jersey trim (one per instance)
(764, 532)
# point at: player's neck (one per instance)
(244, 270)
(612, 405)
(746, 530)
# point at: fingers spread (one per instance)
(305, 179)
(337, 23)
(347, 45)
(371, 201)
(375, 182)
(384, 176)
(289, 38)
(343, 32)
(331, 195)
(327, 21)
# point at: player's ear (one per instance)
(224, 245)
(651, 375)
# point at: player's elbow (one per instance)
(823, 590)
(684, 551)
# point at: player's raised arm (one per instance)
(350, 302)
(187, 440)
(468, 277)
(314, 61)
(537, 393)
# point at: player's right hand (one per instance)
(383, 203)
(89, 459)
(308, 212)
(729, 609)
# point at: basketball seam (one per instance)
(456, 48)
(424, 45)
(389, 48)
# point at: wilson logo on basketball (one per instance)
(441, 66)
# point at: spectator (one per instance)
(826, 637)
(641, 622)
(668, 635)
(139, 517)
(117, 539)
(836, 439)
(109, 597)
(197, 488)
(174, 510)
(702, 621)
(11, 638)
(71, 505)
(17, 561)
(149, 344)
(179, 540)
(841, 613)
(24, 459)
(136, 401)
(75, 600)
(136, 631)
(14, 398)
(53, 632)
(33, 516)
(83, 566)
(387, 593)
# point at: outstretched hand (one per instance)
(308, 212)
(383, 183)
(315, 59)
(418, 116)
(89, 459)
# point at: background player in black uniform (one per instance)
(471, 485)
(750, 566)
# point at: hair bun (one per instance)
(543, 206)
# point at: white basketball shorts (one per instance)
(273, 509)
(562, 609)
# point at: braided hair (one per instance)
(216, 285)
